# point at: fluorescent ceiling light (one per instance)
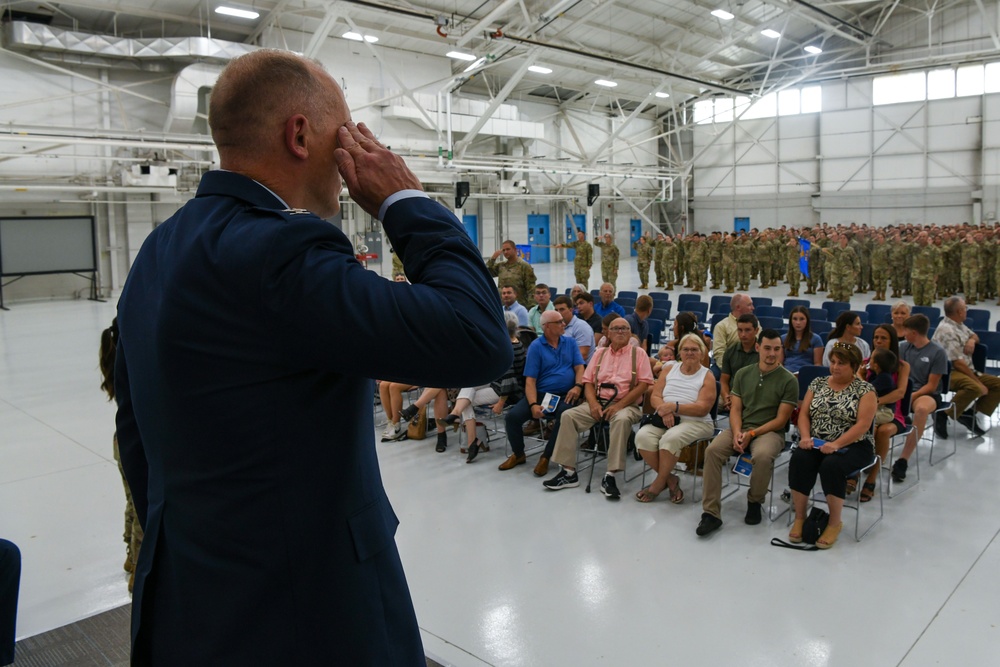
(538, 69)
(357, 37)
(605, 83)
(458, 55)
(773, 34)
(722, 14)
(238, 13)
(474, 65)
(815, 50)
(662, 94)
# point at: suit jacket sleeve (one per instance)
(129, 442)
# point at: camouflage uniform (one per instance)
(792, 272)
(987, 258)
(729, 266)
(927, 264)
(644, 255)
(679, 265)
(970, 271)
(715, 260)
(841, 262)
(744, 257)
(609, 261)
(815, 267)
(666, 252)
(865, 246)
(582, 261)
(899, 252)
(519, 274)
(859, 284)
(658, 264)
(698, 265)
(397, 265)
(880, 259)
(763, 257)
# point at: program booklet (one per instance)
(743, 465)
(549, 402)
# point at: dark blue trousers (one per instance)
(521, 413)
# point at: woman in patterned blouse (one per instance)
(836, 439)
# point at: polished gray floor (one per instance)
(503, 572)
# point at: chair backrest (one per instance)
(717, 302)
(722, 309)
(775, 323)
(718, 317)
(660, 314)
(700, 308)
(684, 299)
(991, 339)
(715, 404)
(626, 303)
(791, 303)
(768, 311)
(980, 318)
(759, 301)
(659, 296)
(867, 332)
(933, 313)
(879, 313)
(655, 333)
(834, 308)
(807, 374)
(628, 294)
(979, 358)
(596, 293)
(863, 316)
(818, 314)
(821, 327)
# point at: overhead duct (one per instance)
(26, 37)
(185, 96)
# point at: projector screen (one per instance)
(47, 245)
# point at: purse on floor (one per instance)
(813, 527)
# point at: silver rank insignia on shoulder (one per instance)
(296, 211)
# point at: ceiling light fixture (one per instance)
(723, 14)
(538, 69)
(605, 83)
(357, 37)
(815, 50)
(772, 34)
(238, 13)
(458, 55)
(662, 94)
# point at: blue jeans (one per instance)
(521, 413)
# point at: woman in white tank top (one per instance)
(682, 400)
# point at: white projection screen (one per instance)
(47, 245)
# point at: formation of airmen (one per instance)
(928, 262)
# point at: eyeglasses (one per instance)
(560, 323)
(619, 329)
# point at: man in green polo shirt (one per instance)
(741, 353)
(763, 396)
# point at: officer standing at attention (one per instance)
(643, 258)
(609, 260)
(248, 334)
(514, 271)
(583, 259)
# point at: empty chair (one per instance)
(821, 327)
(762, 301)
(991, 339)
(768, 311)
(775, 323)
(867, 331)
(980, 319)
(933, 313)
(718, 317)
(879, 313)
(660, 314)
(688, 298)
(596, 293)
(863, 316)
(554, 291)
(818, 314)
(655, 333)
(723, 309)
(696, 307)
(659, 296)
(628, 295)
(626, 303)
(791, 303)
(718, 301)
(834, 308)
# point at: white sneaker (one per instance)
(391, 432)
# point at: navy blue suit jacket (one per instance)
(249, 335)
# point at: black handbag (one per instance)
(813, 527)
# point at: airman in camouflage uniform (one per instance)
(715, 258)
(949, 280)
(969, 250)
(729, 263)
(583, 259)
(763, 257)
(880, 258)
(697, 262)
(815, 264)
(793, 251)
(864, 248)
(744, 257)
(679, 266)
(987, 257)
(841, 268)
(609, 260)
(926, 268)
(658, 263)
(666, 252)
(643, 258)
(899, 252)
(514, 271)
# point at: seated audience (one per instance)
(577, 290)
(682, 398)
(554, 366)
(835, 424)
(764, 396)
(627, 368)
(509, 388)
(585, 311)
(543, 302)
(928, 363)
(740, 354)
(576, 328)
(890, 378)
(724, 333)
(847, 329)
(508, 297)
(959, 342)
(900, 311)
(391, 396)
(684, 324)
(607, 305)
(802, 347)
(637, 320)
(440, 398)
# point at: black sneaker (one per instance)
(563, 480)
(709, 523)
(753, 514)
(610, 488)
(408, 413)
(941, 425)
(899, 470)
(969, 422)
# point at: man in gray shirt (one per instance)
(928, 362)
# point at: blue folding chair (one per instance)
(834, 308)
(628, 295)
(768, 311)
(762, 301)
(685, 299)
(660, 314)
(991, 339)
(809, 373)
(718, 317)
(775, 323)
(867, 332)
(878, 313)
(791, 303)
(701, 309)
(821, 327)
(655, 334)
(933, 313)
(980, 319)
(719, 301)
(818, 314)
(626, 303)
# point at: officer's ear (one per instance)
(297, 130)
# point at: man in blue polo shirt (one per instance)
(607, 304)
(553, 366)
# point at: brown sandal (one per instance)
(795, 534)
(829, 536)
(867, 492)
(852, 486)
(676, 492)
